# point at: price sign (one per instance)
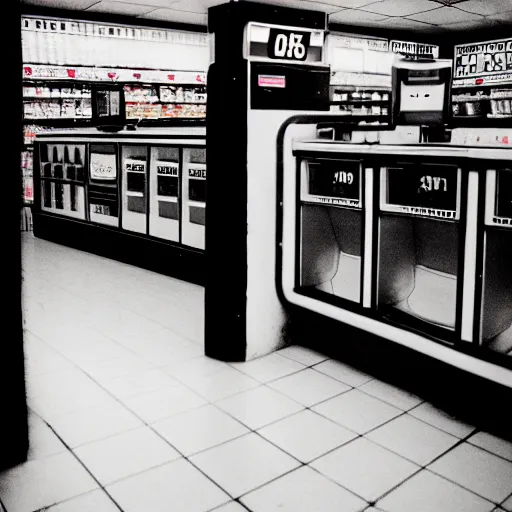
(504, 195)
(167, 170)
(197, 173)
(288, 44)
(335, 182)
(429, 190)
(103, 166)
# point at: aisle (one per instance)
(127, 414)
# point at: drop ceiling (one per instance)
(415, 15)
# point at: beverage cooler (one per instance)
(420, 241)
(411, 242)
(496, 301)
(136, 194)
(331, 227)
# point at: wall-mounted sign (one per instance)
(288, 44)
(103, 166)
(416, 50)
(482, 63)
(284, 43)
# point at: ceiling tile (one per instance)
(177, 16)
(352, 4)
(401, 7)
(470, 25)
(503, 17)
(77, 5)
(356, 17)
(150, 3)
(198, 6)
(299, 4)
(445, 15)
(486, 7)
(407, 24)
(125, 8)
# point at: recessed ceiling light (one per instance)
(449, 2)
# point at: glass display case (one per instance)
(419, 239)
(134, 188)
(164, 209)
(496, 325)
(331, 228)
(103, 186)
(62, 179)
(194, 197)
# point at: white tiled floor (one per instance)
(127, 414)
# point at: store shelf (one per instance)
(61, 180)
(53, 98)
(37, 72)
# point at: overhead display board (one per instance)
(483, 63)
(417, 50)
(276, 43)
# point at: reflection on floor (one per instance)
(127, 414)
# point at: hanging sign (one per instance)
(415, 50)
(482, 63)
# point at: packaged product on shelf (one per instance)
(55, 93)
(179, 94)
(46, 92)
(168, 94)
(65, 92)
(86, 107)
(86, 91)
(29, 109)
(68, 109)
(188, 95)
(200, 95)
(54, 110)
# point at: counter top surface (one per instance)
(444, 150)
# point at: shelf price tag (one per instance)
(197, 173)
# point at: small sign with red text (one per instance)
(272, 81)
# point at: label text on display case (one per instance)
(167, 170)
(197, 173)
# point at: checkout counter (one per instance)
(409, 241)
(136, 196)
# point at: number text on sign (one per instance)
(288, 44)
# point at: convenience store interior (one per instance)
(125, 410)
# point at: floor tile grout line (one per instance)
(486, 449)
(69, 450)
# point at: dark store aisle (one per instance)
(126, 413)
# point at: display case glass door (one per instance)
(103, 184)
(331, 228)
(134, 189)
(62, 179)
(164, 209)
(419, 243)
(496, 312)
(194, 197)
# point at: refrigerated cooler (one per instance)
(496, 311)
(137, 194)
